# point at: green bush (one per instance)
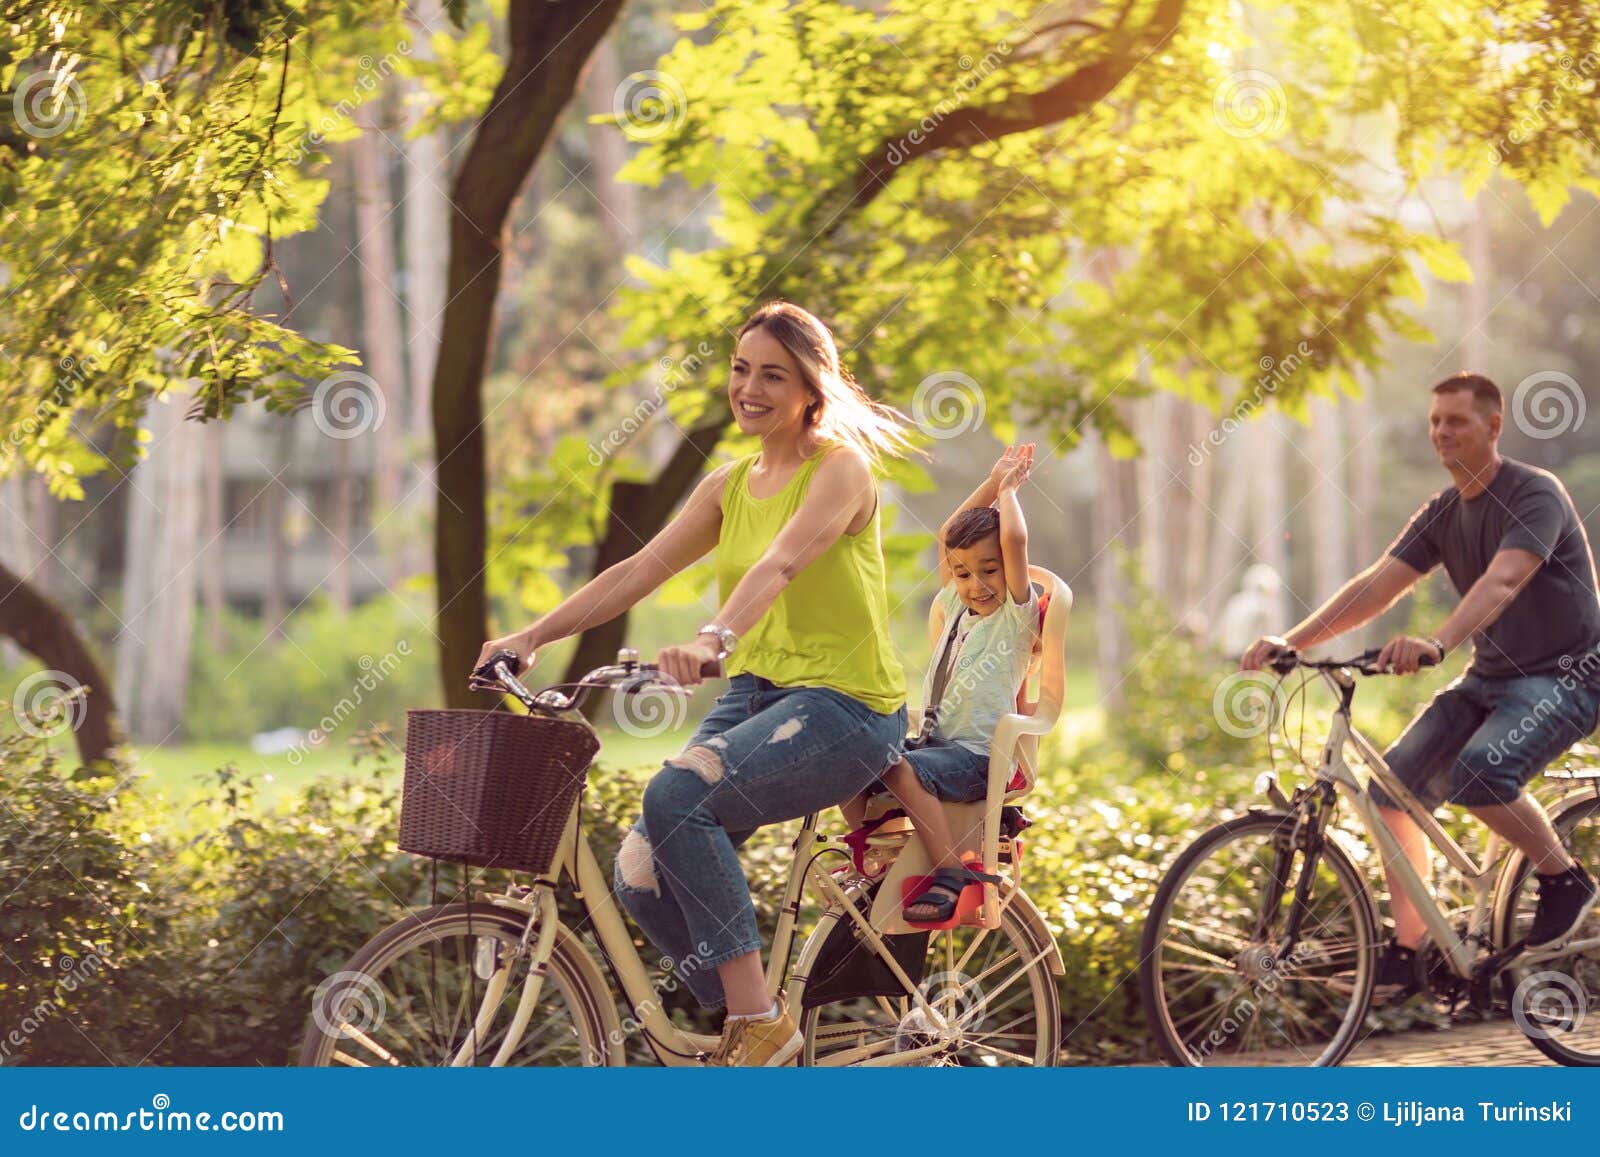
(199, 940)
(356, 668)
(81, 907)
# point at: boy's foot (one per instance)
(1564, 900)
(757, 1042)
(937, 902)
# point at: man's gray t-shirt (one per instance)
(1557, 613)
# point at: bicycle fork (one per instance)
(1313, 806)
(541, 922)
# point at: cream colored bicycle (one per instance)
(502, 980)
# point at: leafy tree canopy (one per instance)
(150, 157)
(1096, 199)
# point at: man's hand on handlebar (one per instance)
(517, 644)
(691, 663)
(1263, 651)
(1407, 654)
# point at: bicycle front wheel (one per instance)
(447, 986)
(1220, 983)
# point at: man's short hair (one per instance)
(971, 527)
(1483, 391)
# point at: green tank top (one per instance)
(830, 626)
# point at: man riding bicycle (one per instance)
(1509, 538)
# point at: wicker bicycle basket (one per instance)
(491, 788)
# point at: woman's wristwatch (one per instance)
(726, 639)
(1443, 650)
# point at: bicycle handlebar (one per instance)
(1365, 663)
(627, 674)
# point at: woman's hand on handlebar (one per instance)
(691, 663)
(518, 644)
(1407, 654)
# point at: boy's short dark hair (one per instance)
(1484, 392)
(971, 527)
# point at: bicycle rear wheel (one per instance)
(993, 1000)
(1556, 1002)
(443, 987)
(1217, 984)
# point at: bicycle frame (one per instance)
(672, 1045)
(1481, 878)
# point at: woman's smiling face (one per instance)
(765, 389)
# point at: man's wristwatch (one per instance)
(1443, 650)
(726, 639)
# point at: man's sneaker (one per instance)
(1564, 900)
(1396, 978)
(749, 1042)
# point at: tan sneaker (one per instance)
(755, 1044)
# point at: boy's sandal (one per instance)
(943, 893)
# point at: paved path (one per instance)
(1463, 1045)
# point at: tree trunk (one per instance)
(42, 628)
(1476, 304)
(275, 513)
(1270, 529)
(161, 579)
(1155, 499)
(1228, 538)
(1107, 520)
(1196, 424)
(1330, 539)
(549, 44)
(382, 332)
(213, 576)
(426, 213)
(609, 150)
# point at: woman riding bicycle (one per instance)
(815, 710)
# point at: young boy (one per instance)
(987, 622)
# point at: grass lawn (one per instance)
(178, 774)
(182, 773)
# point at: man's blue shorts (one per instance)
(1481, 740)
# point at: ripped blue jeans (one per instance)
(764, 754)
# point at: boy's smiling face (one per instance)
(980, 575)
